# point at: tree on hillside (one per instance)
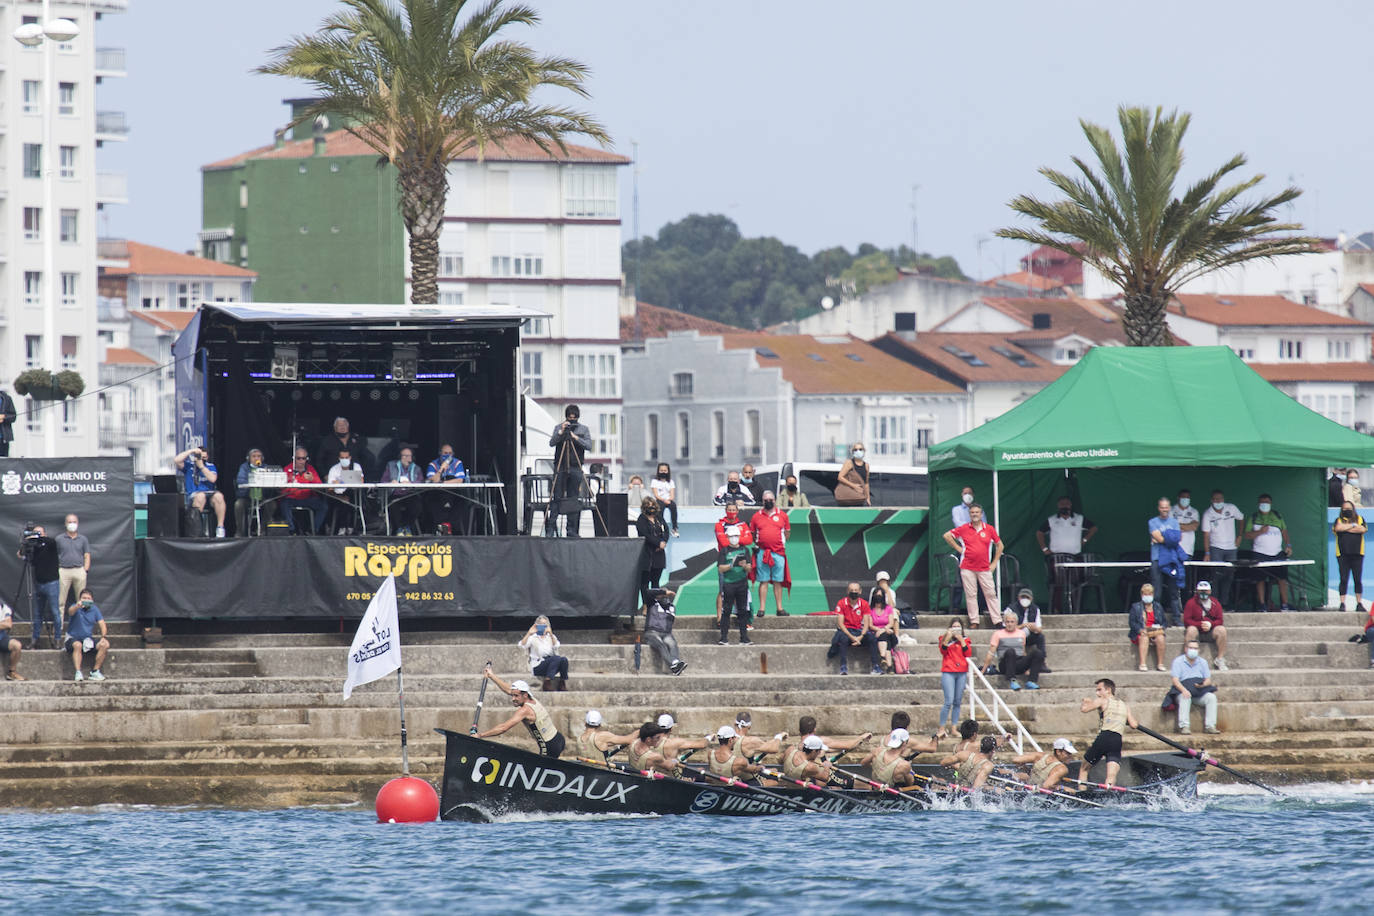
(1142, 237)
(425, 81)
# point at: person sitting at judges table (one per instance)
(541, 644)
(302, 471)
(402, 506)
(653, 554)
(1192, 682)
(1350, 529)
(10, 647)
(1269, 531)
(732, 491)
(570, 441)
(1063, 537)
(728, 759)
(1013, 656)
(1027, 611)
(791, 496)
(1146, 627)
(1114, 715)
(1047, 767)
(854, 627)
(243, 494)
(529, 711)
(199, 475)
(851, 486)
(1202, 616)
(665, 491)
(887, 764)
(445, 505)
(341, 501)
(86, 632)
(644, 752)
(341, 439)
(658, 629)
(595, 740)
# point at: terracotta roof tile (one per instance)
(1315, 372)
(123, 356)
(828, 365)
(1368, 288)
(1002, 359)
(656, 321)
(167, 321)
(1097, 321)
(1244, 311)
(343, 143)
(1023, 279)
(149, 260)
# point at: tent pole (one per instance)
(997, 523)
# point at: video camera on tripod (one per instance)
(29, 537)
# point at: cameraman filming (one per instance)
(570, 439)
(41, 552)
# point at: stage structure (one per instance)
(275, 376)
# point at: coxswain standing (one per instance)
(727, 759)
(529, 711)
(645, 751)
(595, 739)
(1048, 767)
(1115, 715)
(888, 765)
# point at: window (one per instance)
(682, 384)
(608, 434)
(516, 253)
(68, 290)
(66, 162)
(34, 418)
(1290, 349)
(69, 352)
(69, 412)
(450, 296)
(33, 224)
(33, 96)
(183, 298)
(196, 293)
(532, 372)
(1336, 407)
(684, 435)
(535, 327)
(1067, 354)
(887, 435)
(651, 437)
(683, 481)
(717, 434)
(451, 264)
(66, 98)
(753, 441)
(33, 160)
(217, 250)
(33, 287)
(1338, 349)
(589, 192)
(243, 194)
(924, 436)
(68, 226)
(33, 351)
(592, 375)
(1245, 353)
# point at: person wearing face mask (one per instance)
(770, 528)
(955, 650)
(730, 522)
(1189, 520)
(302, 471)
(748, 481)
(1219, 541)
(1014, 657)
(1027, 612)
(73, 561)
(654, 555)
(979, 548)
(86, 631)
(791, 495)
(542, 646)
(445, 507)
(1168, 574)
(402, 508)
(1146, 624)
(1202, 616)
(853, 628)
(960, 514)
(734, 491)
(245, 496)
(1350, 491)
(851, 488)
(1269, 531)
(733, 562)
(341, 438)
(342, 500)
(1192, 683)
(1350, 529)
(664, 489)
(1062, 539)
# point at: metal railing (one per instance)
(110, 60)
(111, 122)
(996, 711)
(111, 186)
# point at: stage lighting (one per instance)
(415, 394)
(355, 395)
(286, 363)
(375, 394)
(317, 395)
(335, 395)
(394, 395)
(403, 364)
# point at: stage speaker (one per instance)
(612, 517)
(286, 363)
(164, 510)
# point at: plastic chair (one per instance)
(1089, 579)
(948, 569)
(299, 527)
(1009, 569)
(1128, 586)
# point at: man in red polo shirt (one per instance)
(979, 550)
(301, 471)
(853, 628)
(771, 528)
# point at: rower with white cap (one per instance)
(1047, 767)
(673, 746)
(886, 764)
(727, 758)
(529, 711)
(597, 740)
(802, 761)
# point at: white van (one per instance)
(891, 487)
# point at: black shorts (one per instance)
(1106, 746)
(1273, 572)
(68, 642)
(554, 748)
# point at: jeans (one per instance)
(315, 503)
(46, 609)
(552, 666)
(953, 684)
(665, 644)
(670, 514)
(1166, 593)
(735, 597)
(840, 645)
(1208, 702)
(1223, 576)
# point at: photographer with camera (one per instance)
(86, 632)
(200, 475)
(40, 552)
(570, 439)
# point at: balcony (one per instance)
(111, 309)
(111, 125)
(117, 429)
(109, 62)
(111, 188)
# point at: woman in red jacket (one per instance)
(955, 649)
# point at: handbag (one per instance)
(901, 662)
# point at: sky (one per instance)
(818, 122)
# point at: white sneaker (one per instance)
(97, 676)
(79, 676)
(1221, 664)
(219, 532)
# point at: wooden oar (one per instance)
(621, 768)
(1041, 790)
(481, 695)
(739, 784)
(1201, 755)
(874, 784)
(807, 784)
(1108, 786)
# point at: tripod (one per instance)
(569, 467)
(25, 587)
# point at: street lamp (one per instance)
(32, 35)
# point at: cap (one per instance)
(744, 719)
(1064, 744)
(1025, 593)
(725, 733)
(666, 721)
(520, 686)
(882, 574)
(593, 718)
(813, 743)
(1204, 586)
(898, 737)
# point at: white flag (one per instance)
(376, 649)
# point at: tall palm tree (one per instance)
(423, 82)
(1129, 225)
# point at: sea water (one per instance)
(1227, 852)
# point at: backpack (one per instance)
(901, 662)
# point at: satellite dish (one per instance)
(827, 303)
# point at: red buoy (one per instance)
(407, 800)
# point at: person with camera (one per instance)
(86, 635)
(658, 629)
(40, 552)
(733, 562)
(570, 441)
(10, 647)
(73, 560)
(542, 646)
(200, 475)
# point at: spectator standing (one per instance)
(7, 417)
(1146, 626)
(1062, 539)
(1189, 520)
(46, 610)
(1204, 620)
(730, 522)
(654, 554)
(959, 515)
(746, 480)
(1335, 485)
(86, 632)
(1219, 541)
(1269, 531)
(244, 494)
(658, 629)
(200, 475)
(73, 561)
(733, 490)
(1165, 536)
(444, 504)
(545, 662)
(883, 623)
(791, 496)
(1193, 680)
(1014, 658)
(664, 489)
(770, 528)
(404, 470)
(1027, 612)
(979, 550)
(851, 488)
(570, 439)
(302, 471)
(733, 562)
(1350, 529)
(955, 650)
(342, 438)
(1350, 492)
(853, 627)
(10, 647)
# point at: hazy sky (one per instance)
(813, 120)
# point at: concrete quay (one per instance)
(258, 719)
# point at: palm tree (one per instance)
(1128, 224)
(423, 85)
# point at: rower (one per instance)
(902, 720)
(645, 751)
(529, 711)
(967, 744)
(756, 748)
(672, 746)
(595, 740)
(728, 759)
(807, 726)
(802, 761)
(887, 764)
(1048, 767)
(1115, 715)
(975, 769)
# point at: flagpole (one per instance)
(401, 695)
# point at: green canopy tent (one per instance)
(1127, 425)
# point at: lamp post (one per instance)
(32, 35)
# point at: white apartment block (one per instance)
(66, 74)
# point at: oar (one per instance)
(807, 784)
(1104, 785)
(621, 768)
(874, 784)
(1210, 761)
(1041, 790)
(738, 784)
(481, 695)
